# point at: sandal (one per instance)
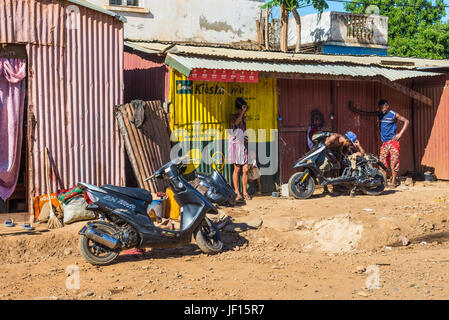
(247, 197)
(134, 251)
(9, 223)
(27, 226)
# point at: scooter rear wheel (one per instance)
(301, 189)
(95, 253)
(209, 244)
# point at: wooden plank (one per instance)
(148, 147)
(397, 63)
(302, 129)
(139, 149)
(127, 142)
(407, 91)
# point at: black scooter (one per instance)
(128, 225)
(218, 190)
(362, 176)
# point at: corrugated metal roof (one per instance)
(97, 8)
(229, 53)
(190, 63)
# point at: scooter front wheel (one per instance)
(208, 238)
(301, 186)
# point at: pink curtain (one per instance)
(12, 95)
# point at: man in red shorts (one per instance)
(389, 151)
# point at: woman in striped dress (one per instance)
(238, 148)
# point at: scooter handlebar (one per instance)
(179, 161)
(150, 177)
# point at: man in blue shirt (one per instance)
(389, 151)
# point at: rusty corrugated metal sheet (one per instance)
(186, 64)
(146, 76)
(365, 96)
(296, 100)
(299, 97)
(148, 147)
(232, 53)
(35, 22)
(74, 80)
(432, 128)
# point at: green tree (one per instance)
(287, 6)
(415, 27)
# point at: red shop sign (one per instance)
(224, 75)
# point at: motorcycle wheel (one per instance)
(374, 191)
(301, 190)
(95, 253)
(207, 243)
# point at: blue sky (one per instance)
(339, 6)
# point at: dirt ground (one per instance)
(325, 247)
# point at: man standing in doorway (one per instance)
(389, 151)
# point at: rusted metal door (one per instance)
(297, 100)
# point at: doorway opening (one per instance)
(17, 202)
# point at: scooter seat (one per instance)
(136, 193)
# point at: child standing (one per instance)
(254, 172)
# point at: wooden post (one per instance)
(408, 92)
(267, 40)
(298, 29)
(284, 29)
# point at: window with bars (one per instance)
(131, 3)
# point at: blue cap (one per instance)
(351, 136)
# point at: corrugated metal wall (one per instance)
(75, 79)
(146, 76)
(432, 127)
(299, 97)
(402, 104)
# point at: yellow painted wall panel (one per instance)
(211, 103)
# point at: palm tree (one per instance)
(287, 6)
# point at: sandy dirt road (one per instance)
(276, 248)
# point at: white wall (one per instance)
(330, 26)
(212, 21)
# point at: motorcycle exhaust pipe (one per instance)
(338, 181)
(100, 237)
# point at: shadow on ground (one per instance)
(429, 238)
(231, 240)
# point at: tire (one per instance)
(94, 253)
(207, 244)
(305, 190)
(376, 190)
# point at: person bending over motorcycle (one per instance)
(337, 145)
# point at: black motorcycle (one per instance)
(361, 175)
(128, 224)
